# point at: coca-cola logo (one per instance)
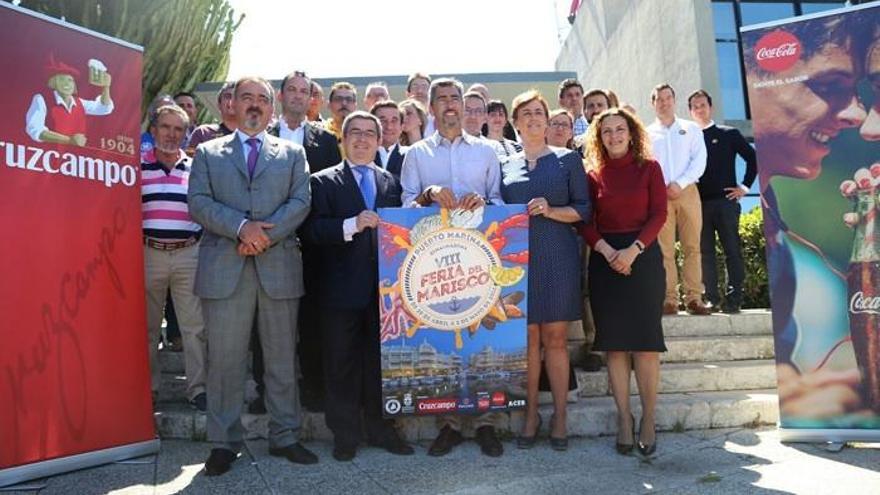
(858, 303)
(777, 51)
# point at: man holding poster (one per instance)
(453, 170)
(343, 222)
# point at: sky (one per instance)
(396, 37)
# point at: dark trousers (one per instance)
(352, 374)
(722, 216)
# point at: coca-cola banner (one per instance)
(453, 287)
(814, 93)
(74, 377)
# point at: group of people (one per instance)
(266, 240)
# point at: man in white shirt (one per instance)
(679, 147)
(390, 153)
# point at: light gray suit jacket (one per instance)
(221, 195)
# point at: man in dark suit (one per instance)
(343, 223)
(322, 148)
(390, 154)
(250, 192)
(322, 151)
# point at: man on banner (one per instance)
(679, 148)
(793, 126)
(343, 224)
(60, 116)
(171, 250)
(250, 191)
(452, 169)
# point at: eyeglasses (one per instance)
(357, 134)
(529, 114)
(343, 99)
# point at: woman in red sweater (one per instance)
(626, 279)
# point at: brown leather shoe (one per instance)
(445, 441)
(670, 309)
(696, 307)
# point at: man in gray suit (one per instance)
(250, 192)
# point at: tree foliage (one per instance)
(185, 42)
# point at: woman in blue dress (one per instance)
(552, 183)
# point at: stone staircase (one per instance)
(718, 372)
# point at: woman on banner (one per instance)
(497, 128)
(415, 118)
(627, 281)
(552, 184)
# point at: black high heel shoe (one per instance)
(558, 444)
(647, 449)
(626, 448)
(527, 442)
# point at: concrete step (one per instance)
(588, 417)
(717, 348)
(748, 322)
(692, 377)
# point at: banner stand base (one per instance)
(818, 435)
(42, 469)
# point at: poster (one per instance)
(814, 92)
(74, 377)
(453, 290)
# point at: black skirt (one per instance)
(628, 308)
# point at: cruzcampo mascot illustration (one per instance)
(59, 115)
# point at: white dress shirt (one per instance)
(385, 154)
(295, 135)
(36, 114)
(465, 165)
(680, 149)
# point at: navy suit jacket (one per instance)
(395, 161)
(348, 271)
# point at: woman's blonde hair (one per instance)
(640, 143)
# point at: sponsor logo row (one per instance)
(448, 405)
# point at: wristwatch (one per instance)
(638, 244)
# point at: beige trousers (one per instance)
(684, 217)
(176, 270)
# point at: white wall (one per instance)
(630, 46)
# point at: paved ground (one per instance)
(699, 462)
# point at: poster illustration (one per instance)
(453, 290)
(814, 95)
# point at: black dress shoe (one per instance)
(219, 462)
(488, 442)
(392, 442)
(626, 448)
(199, 402)
(295, 453)
(445, 441)
(647, 449)
(526, 442)
(344, 453)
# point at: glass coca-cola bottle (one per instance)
(862, 280)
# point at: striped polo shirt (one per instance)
(163, 198)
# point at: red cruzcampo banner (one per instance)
(815, 101)
(74, 376)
